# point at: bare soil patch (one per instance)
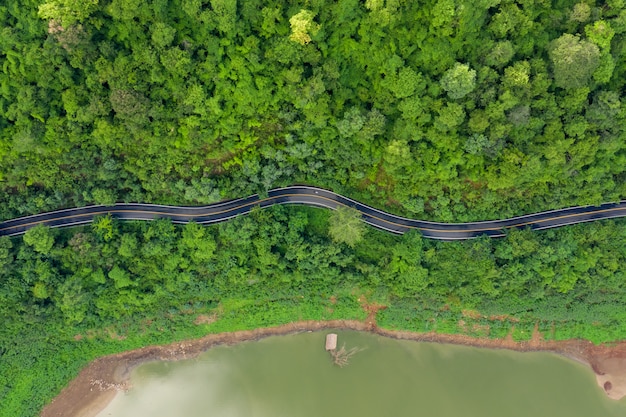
(97, 384)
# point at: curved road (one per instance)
(312, 196)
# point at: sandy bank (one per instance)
(97, 384)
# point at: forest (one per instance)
(445, 110)
(450, 110)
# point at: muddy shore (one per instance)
(97, 384)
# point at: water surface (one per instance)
(292, 376)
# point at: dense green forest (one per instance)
(450, 110)
(446, 109)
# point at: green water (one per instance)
(292, 376)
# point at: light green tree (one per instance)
(404, 83)
(601, 33)
(302, 26)
(604, 72)
(225, 14)
(574, 60)
(352, 122)
(121, 277)
(517, 75)
(40, 238)
(450, 116)
(345, 226)
(68, 12)
(459, 81)
(192, 7)
(580, 13)
(442, 16)
(40, 290)
(103, 226)
(398, 153)
(196, 243)
(128, 246)
(374, 4)
(162, 34)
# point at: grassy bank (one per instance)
(36, 369)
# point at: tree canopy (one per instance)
(191, 101)
(459, 81)
(345, 226)
(574, 61)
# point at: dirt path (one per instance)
(97, 384)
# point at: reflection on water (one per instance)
(292, 376)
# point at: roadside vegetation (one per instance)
(115, 286)
(449, 110)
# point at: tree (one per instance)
(345, 226)
(604, 72)
(398, 154)
(104, 227)
(176, 61)
(374, 4)
(162, 34)
(374, 125)
(404, 83)
(128, 246)
(6, 257)
(40, 238)
(459, 81)
(352, 122)
(121, 277)
(450, 116)
(225, 14)
(68, 12)
(129, 105)
(302, 26)
(580, 13)
(404, 273)
(271, 17)
(72, 301)
(573, 60)
(196, 243)
(601, 33)
(517, 75)
(500, 54)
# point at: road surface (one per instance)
(317, 197)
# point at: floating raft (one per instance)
(331, 341)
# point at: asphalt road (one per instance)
(318, 197)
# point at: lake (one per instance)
(292, 376)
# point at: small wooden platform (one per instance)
(331, 341)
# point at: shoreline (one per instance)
(97, 384)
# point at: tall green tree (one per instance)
(345, 226)
(68, 12)
(459, 81)
(40, 238)
(574, 60)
